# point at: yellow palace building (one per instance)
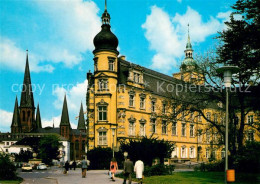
(127, 101)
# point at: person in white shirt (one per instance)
(139, 169)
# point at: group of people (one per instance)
(129, 168)
(84, 166)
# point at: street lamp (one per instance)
(113, 134)
(227, 71)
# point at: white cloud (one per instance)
(168, 35)
(75, 95)
(60, 34)
(179, 1)
(14, 58)
(75, 23)
(56, 121)
(5, 120)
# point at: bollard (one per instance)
(231, 175)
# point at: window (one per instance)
(102, 138)
(164, 127)
(102, 113)
(153, 125)
(95, 66)
(208, 116)
(199, 117)
(183, 152)
(142, 129)
(214, 153)
(164, 108)
(191, 130)
(7, 143)
(6, 150)
(200, 137)
(102, 84)
(153, 106)
(192, 152)
(250, 136)
(23, 115)
(131, 128)
(111, 64)
(142, 103)
(174, 128)
(137, 77)
(250, 119)
(207, 136)
(207, 153)
(215, 118)
(131, 100)
(183, 129)
(223, 153)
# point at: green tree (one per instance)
(7, 168)
(147, 149)
(240, 46)
(49, 148)
(23, 156)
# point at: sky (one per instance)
(59, 36)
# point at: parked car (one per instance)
(41, 166)
(27, 167)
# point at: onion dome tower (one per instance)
(188, 63)
(105, 40)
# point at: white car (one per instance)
(41, 166)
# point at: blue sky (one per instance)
(59, 36)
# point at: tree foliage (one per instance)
(49, 148)
(23, 156)
(7, 168)
(147, 149)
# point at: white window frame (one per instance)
(102, 138)
(142, 102)
(191, 130)
(131, 100)
(192, 152)
(142, 129)
(111, 65)
(153, 125)
(174, 128)
(164, 127)
(131, 128)
(103, 84)
(183, 152)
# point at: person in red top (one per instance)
(113, 168)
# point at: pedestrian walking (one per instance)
(74, 164)
(128, 170)
(139, 169)
(67, 165)
(84, 167)
(113, 168)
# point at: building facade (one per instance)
(134, 101)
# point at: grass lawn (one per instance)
(200, 178)
(10, 182)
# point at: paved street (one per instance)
(56, 176)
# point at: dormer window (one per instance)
(102, 84)
(136, 77)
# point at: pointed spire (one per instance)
(81, 121)
(38, 118)
(188, 45)
(65, 114)
(27, 94)
(16, 116)
(105, 16)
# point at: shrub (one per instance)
(7, 168)
(100, 158)
(157, 170)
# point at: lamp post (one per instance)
(227, 71)
(113, 134)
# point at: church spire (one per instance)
(65, 114)
(81, 121)
(16, 123)
(27, 94)
(38, 118)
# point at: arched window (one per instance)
(23, 115)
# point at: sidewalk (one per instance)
(93, 177)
